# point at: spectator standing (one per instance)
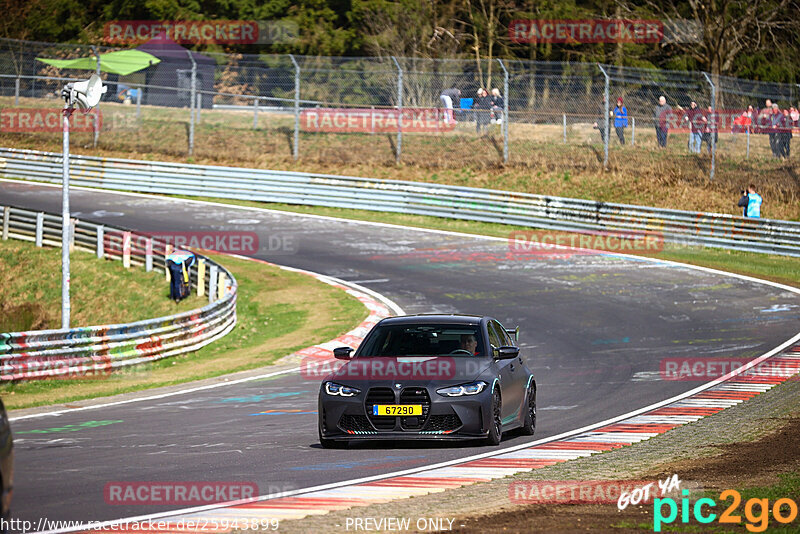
(661, 117)
(601, 125)
(785, 134)
(765, 124)
(695, 117)
(483, 106)
(620, 120)
(498, 105)
(710, 134)
(751, 202)
(776, 131)
(449, 98)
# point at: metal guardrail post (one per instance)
(167, 252)
(148, 254)
(747, 154)
(192, 102)
(221, 280)
(6, 217)
(201, 278)
(100, 241)
(139, 102)
(16, 91)
(255, 113)
(399, 110)
(605, 114)
(199, 107)
(296, 145)
(713, 141)
(39, 228)
(505, 111)
(212, 284)
(126, 250)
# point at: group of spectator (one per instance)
(487, 108)
(777, 123)
(703, 125)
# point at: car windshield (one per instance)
(423, 340)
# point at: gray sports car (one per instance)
(429, 377)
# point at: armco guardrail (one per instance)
(468, 203)
(97, 350)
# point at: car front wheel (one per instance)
(529, 425)
(496, 428)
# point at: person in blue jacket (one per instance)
(751, 203)
(620, 120)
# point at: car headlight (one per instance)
(473, 388)
(332, 388)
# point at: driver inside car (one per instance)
(468, 344)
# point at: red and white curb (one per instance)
(727, 391)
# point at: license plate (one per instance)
(397, 409)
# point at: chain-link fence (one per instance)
(411, 110)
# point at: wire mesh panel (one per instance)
(271, 109)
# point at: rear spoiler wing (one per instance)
(514, 332)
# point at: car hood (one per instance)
(411, 370)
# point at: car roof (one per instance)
(433, 318)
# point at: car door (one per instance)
(519, 374)
(504, 373)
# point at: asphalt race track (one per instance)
(595, 329)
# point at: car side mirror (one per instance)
(507, 353)
(342, 353)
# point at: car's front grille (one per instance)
(380, 396)
(443, 423)
(355, 423)
(415, 395)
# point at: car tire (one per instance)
(496, 425)
(529, 423)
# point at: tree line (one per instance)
(754, 39)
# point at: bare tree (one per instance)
(720, 30)
(416, 33)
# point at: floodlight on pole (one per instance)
(85, 94)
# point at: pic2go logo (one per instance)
(756, 511)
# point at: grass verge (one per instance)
(279, 312)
